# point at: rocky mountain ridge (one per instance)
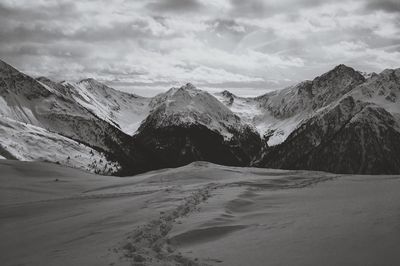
(342, 121)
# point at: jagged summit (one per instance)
(43, 79)
(92, 82)
(123, 110)
(341, 74)
(87, 80)
(226, 97)
(368, 75)
(5, 65)
(227, 93)
(188, 88)
(343, 68)
(6, 69)
(193, 106)
(391, 73)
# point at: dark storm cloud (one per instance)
(36, 33)
(55, 10)
(175, 6)
(251, 8)
(138, 29)
(261, 8)
(385, 5)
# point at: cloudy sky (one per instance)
(246, 46)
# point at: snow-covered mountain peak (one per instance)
(190, 124)
(187, 89)
(121, 109)
(89, 80)
(341, 77)
(188, 105)
(98, 87)
(187, 98)
(17, 83)
(227, 93)
(188, 86)
(226, 97)
(343, 68)
(390, 74)
(382, 89)
(43, 79)
(342, 71)
(367, 75)
(182, 96)
(276, 114)
(93, 84)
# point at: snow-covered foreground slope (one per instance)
(199, 214)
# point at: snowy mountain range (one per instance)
(342, 121)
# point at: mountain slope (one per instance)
(340, 122)
(278, 113)
(350, 137)
(180, 126)
(51, 106)
(26, 142)
(123, 110)
(358, 133)
(187, 124)
(382, 89)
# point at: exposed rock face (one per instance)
(228, 97)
